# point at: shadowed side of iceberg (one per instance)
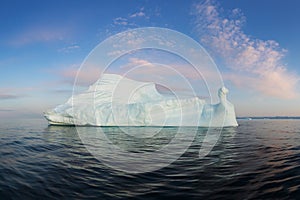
(219, 115)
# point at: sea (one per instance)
(259, 159)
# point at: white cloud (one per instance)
(134, 62)
(120, 21)
(254, 63)
(129, 20)
(139, 13)
(116, 53)
(69, 49)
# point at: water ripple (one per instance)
(258, 160)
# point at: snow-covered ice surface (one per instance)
(118, 101)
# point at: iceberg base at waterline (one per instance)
(99, 106)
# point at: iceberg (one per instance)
(115, 100)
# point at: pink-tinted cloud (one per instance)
(39, 34)
(146, 67)
(133, 62)
(83, 77)
(253, 62)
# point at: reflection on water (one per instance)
(259, 159)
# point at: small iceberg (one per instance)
(106, 103)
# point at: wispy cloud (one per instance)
(146, 67)
(116, 53)
(39, 34)
(139, 13)
(174, 77)
(6, 110)
(83, 77)
(254, 63)
(62, 91)
(120, 21)
(134, 62)
(8, 96)
(130, 19)
(69, 49)
(10, 93)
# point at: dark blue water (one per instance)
(258, 160)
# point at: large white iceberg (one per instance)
(118, 101)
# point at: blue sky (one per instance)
(255, 45)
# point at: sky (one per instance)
(254, 43)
